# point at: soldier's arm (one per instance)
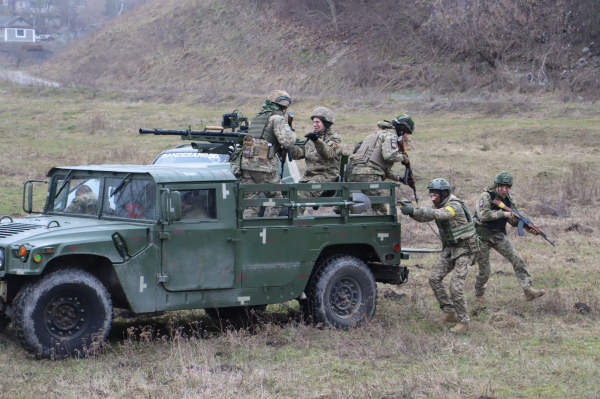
(284, 133)
(298, 152)
(484, 209)
(329, 149)
(75, 205)
(392, 176)
(429, 214)
(389, 148)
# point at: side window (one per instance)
(132, 199)
(198, 204)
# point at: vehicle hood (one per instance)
(51, 227)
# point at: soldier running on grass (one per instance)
(460, 248)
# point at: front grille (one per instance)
(10, 229)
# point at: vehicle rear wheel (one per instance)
(342, 293)
(67, 312)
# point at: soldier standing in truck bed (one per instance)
(460, 244)
(374, 159)
(267, 134)
(491, 228)
(322, 152)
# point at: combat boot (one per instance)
(480, 298)
(531, 293)
(460, 328)
(448, 318)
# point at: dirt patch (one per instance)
(582, 307)
(393, 296)
(578, 228)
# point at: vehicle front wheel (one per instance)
(342, 293)
(67, 312)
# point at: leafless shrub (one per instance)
(95, 123)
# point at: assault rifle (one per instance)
(409, 177)
(522, 220)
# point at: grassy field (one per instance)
(516, 349)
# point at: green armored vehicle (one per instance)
(159, 238)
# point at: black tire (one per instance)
(342, 293)
(67, 312)
(235, 312)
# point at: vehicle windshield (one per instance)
(171, 158)
(78, 196)
(81, 196)
(134, 200)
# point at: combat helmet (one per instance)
(441, 187)
(280, 98)
(503, 178)
(404, 124)
(384, 125)
(324, 114)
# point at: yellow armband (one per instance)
(451, 210)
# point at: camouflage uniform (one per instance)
(85, 204)
(371, 172)
(322, 161)
(259, 167)
(456, 257)
(496, 238)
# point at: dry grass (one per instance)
(548, 348)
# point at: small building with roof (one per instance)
(16, 30)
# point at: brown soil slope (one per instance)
(196, 45)
(437, 45)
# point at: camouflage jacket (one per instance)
(388, 142)
(84, 204)
(286, 139)
(322, 157)
(451, 209)
(485, 213)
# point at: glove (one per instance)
(314, 136)
(407, 210)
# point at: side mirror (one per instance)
(175, 210)
(28, 195)
(170, 206)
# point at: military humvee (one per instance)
(159, 238)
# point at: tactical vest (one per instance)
(452, 236)
(369, 152)
(258, 126)
(498, 224)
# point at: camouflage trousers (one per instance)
(252, 177)
(379, 209)
(500, 242)
(455, 300)
(308, 194)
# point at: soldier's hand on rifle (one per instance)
(508, 214)
(314, 136)
(406, 161)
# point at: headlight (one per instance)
(1, 259)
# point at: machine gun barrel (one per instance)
(208, 131)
